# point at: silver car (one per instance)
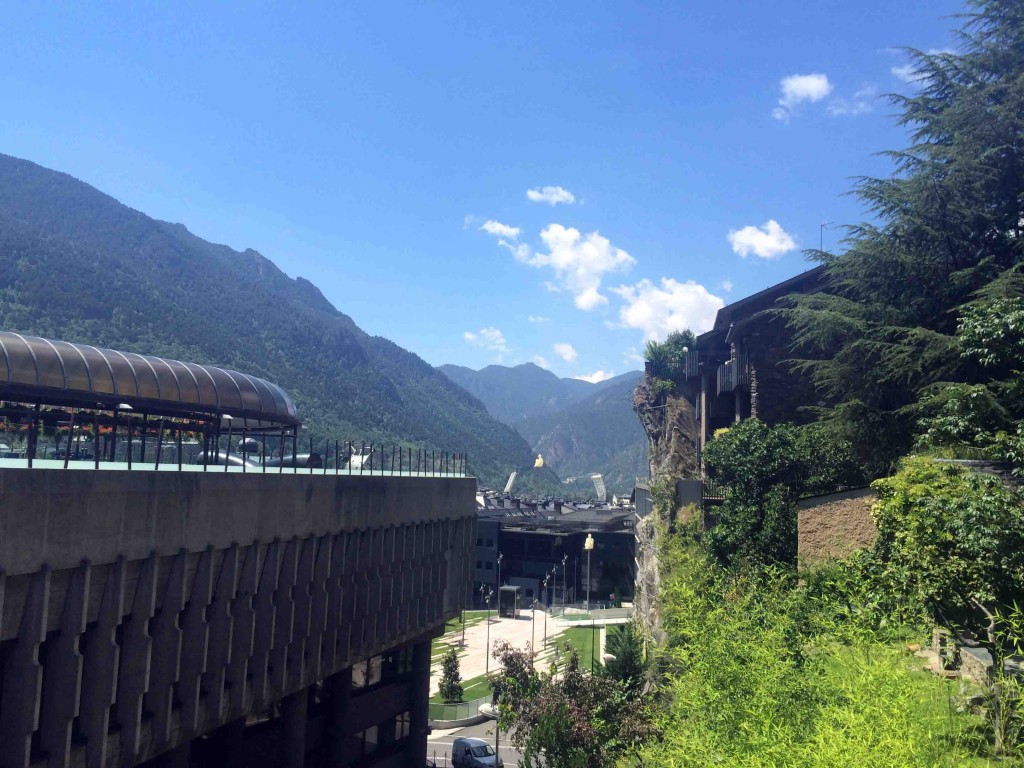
(474, 753)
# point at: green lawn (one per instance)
(453, 634)
(472, 689)
(583, 639)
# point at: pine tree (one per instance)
(451, 681)
(950, 223)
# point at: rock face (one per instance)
(670, 421)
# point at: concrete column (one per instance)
(339, 736)
(419, 695)
(293, 729)
(228, 743)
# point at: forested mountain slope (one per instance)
(77, 265)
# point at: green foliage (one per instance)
(668, 358)
(629, 665)
(574, 720)
(763, 471)
(450, 686)
(949, 227)
(757, 675)
(79, 266)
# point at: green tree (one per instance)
(450, 687)
(954, 540)
(628, 664)
(574, 720)
(949, 224)
(762, 471)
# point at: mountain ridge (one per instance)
(78, 265)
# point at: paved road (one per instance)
(440, 744)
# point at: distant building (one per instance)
(539, 539)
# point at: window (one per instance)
(396, 664)
(479, 564)
(479, 542)
(402, 725)
(367, 673)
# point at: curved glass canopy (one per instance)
(64, 374)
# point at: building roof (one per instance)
(60, 373)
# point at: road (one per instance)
(439, 744)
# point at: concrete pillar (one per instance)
(293, 729)
(228, 744)
(339, 736)
(419, 695)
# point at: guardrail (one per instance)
(212, 453)
(462, 711)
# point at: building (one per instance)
(523, 542)
(739, 369)
(158, 613)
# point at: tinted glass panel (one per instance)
(76, 372)
(188, 387)
(99, 370)
(49, 369)
(23, 365)
(250, 397)
(144, 375)
(227, 391)
(124, 376)
(165, 378)
(207, 390)
(267, 402)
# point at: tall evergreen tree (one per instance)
(949, 223)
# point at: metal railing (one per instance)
(136, 448)
(462, 711)
(726, 377)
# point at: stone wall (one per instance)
(833, 526)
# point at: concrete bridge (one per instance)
(208, 618)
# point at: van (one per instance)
(474, 753)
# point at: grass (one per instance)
(453, 634)
(583, 639)
(475, 688)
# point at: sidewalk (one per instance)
(517, 632)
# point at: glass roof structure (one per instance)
(60, 373)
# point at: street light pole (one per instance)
(487, 595)
(588, 545)
(565, 582)
(463, 628)
(545, 612)
(533, 630)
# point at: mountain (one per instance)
(600, 433)
(578, 427)
(75, 264)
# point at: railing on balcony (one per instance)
(692, 365)
(726, 377)
(741, 373)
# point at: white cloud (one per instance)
(597, 376)
(498, 229)
(797, 89)
(566, 352)
(674, 306)
(908, 72)
(541, 361)
(769, 241)
(726, 286)
(538, 319)
(578, 261)
(632, 356)
(862, 102)
(551, 195)
(488, 338)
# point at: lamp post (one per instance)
(533, 629)
(497, 587)
(554, 588)
(545, 612)
(588, 545)
(565, 582)
(486, 593)
(463, 628)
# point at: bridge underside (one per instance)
(218, 619)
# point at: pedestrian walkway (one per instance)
(525, 631)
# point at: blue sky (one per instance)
(387, 151)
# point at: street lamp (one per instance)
(486, 593)
(497, 588)
(588, 545)
(533, 629)
(565, 582)
(545, 612)
(554, 589)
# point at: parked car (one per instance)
(474, 753)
